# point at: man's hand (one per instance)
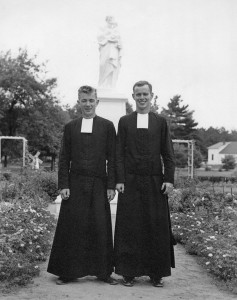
(120, 187)
(110, 194)
(167, 187)
(65, 193)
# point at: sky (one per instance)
(183, 47)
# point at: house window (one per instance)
(212, 157)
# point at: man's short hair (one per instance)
(86, 89)
(142, 83)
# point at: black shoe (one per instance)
(157, 282)
(64, 280)
(109, 280)
(128, 281)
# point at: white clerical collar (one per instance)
(142, 120)
(87, 125)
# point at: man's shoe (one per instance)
(128, 281)
(110, 280)
(64, 280)
(157, 282)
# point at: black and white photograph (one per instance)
(118, 149)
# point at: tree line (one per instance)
(183, 126)
(29, 107)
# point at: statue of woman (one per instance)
(110, 54)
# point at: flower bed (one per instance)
(206, 223)
(25, 240)
(26, 227)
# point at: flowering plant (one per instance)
(207, 226)
(26, 230)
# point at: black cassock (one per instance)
(143, 239)
(83, 242)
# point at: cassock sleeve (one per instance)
(167, 153)
(64, 159)
(120, 152)
(110, 156)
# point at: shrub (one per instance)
(47, 181)
(228, 162)
(40, 186)
(7, 175)
(217, 179)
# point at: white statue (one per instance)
(110, 54)
(35, 164)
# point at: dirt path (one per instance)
(188, 281)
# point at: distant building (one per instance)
(220, 150)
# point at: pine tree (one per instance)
(180, 119)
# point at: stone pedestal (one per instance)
(112, 105)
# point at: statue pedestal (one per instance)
(112, 105)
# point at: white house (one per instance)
(220, 150)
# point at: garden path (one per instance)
(189, 281)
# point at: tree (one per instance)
(155, 106)
(180, 119)
(75, 111)
(211, 136)
(183, 126)
(11, 148)
(129, 108)
(228, 162)
(198, 158)
(28, 105)
(43, 125)
(21, 84)
(233, 135)
(181, 156)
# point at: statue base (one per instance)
(112, 105)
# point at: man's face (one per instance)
(143, 97)
(88, 104)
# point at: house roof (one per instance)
(231, 148)
(217, 145)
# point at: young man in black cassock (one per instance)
(145, 175)
(83, 242)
